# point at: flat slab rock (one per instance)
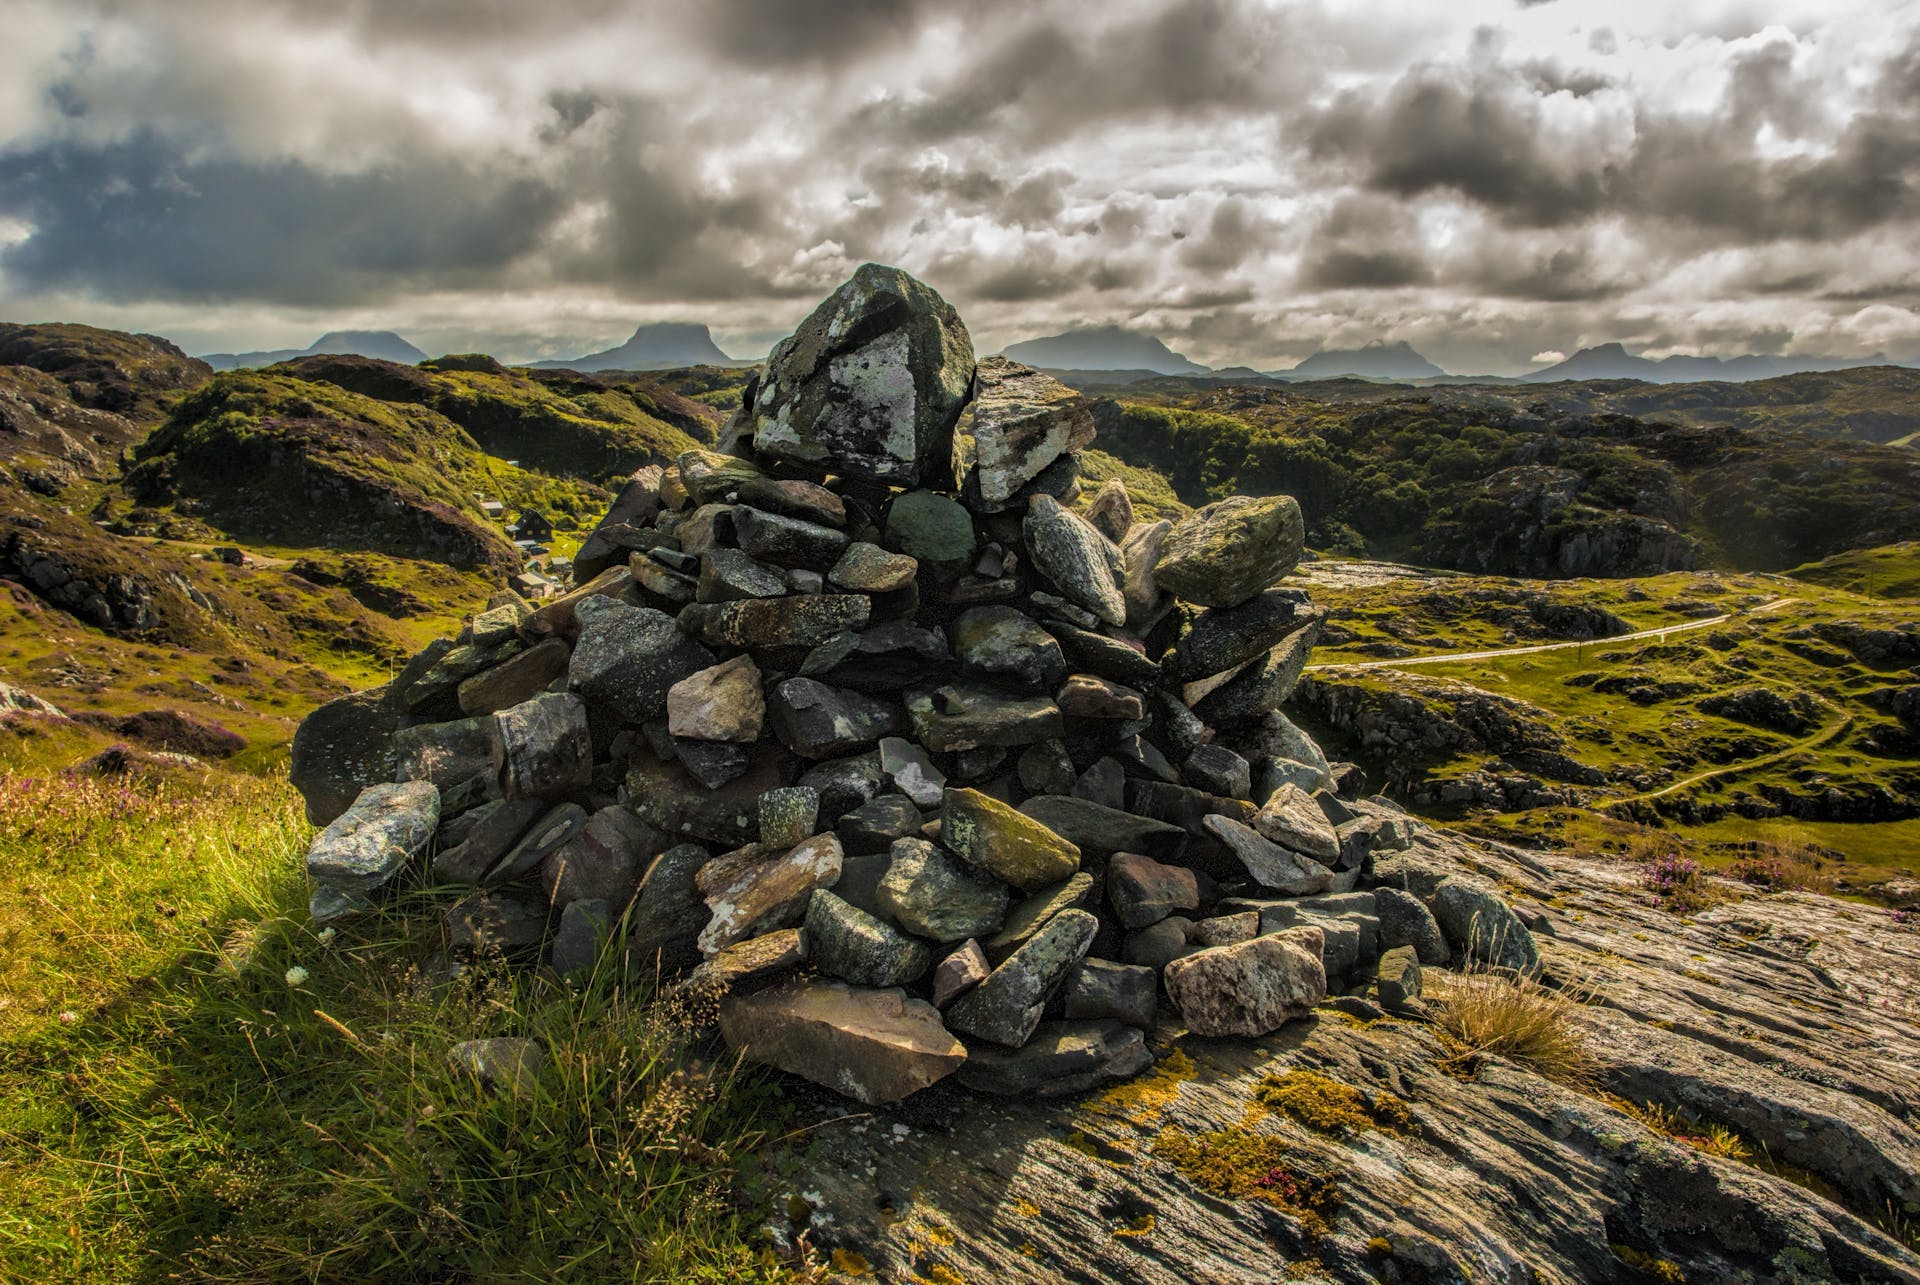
(1511, 1177)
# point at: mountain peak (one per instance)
(1108, 347)
(655, 345)
(1379, 359)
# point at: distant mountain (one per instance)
(383, 344)
(662, 345)
(1613, 361)
(1103, 348)
(1377, 360)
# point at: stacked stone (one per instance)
(859, 725)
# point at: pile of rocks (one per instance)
(861, 725)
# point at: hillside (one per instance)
(1499, 481)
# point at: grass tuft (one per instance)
(1498, 1014)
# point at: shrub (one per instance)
(1497, 1014)
(1680, 885)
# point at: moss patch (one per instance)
(1325, 1105)
(1242, 1164)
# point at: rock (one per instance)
(1483, 928)
(878, 823)
(1250, 989)
(844, 784)
(874, 1046)
(788, 815)
(556, 827)
(1080, 562)
(990, 835)
(373, 840)
(1225, 930)
(1144, 891)
(496, 625)
(660, 582)
(807, 501)
(603, 862)
(1006, 1007)
(628, 658)
(1406, 921)
(340, 749)
(764, 892)
(557, 616)
(504, 1064)
(1060, 1058)
(867, 568)
(958, 973)
(583, 932)
(804, 621)
(712, 763)
(885, 658)
(961, 716)
(1100, 988)
(1098, 654)
(1263, 685)
(1019, 422)
(490, 924)
(669, 911)
(519, 679)
(870, 385)
(1102, 830)
(728, 575)
(453, 667)
(1158, 945)
(447, 754)
(1218, 770)
(721, 703)
(1145, 600)
(930, 894)
(1225, 637)
(1271, 865)
(935, 530)
(1398, 982)
(1142, 758)
(787, 542)
(713, 478)
(1293, 820)
(911, 771)
(1085, 696)
(846, 942)
(1046, 768)
(816, 721)
(1111, 510)
(748, 965)
(1105, 783)
(1225, 553)
(1033, 914)
(495, 826)
(542, 747)
(325, 904)
(1003, 644)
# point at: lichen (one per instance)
(847, 1263)
(1142, 1100)
(1241, 1164)
(1325, 1105)
(1134, 1227)
(1659, 1269)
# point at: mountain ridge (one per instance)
(1102, 348)
(382, 344)
(656, 345)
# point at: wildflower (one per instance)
(296, 976)
(69, 1017)
(326, 936)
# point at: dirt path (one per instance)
(1452, 657)
(1814, 742)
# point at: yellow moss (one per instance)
(1379, 1247)
(1141, 1226)
(848, 1263)
(940, 1274)
(1144, 1098)
(1029, 1250)
(1025, 1208)
(1244, 1165)
(1305, 1270)
(1326, 1105)
(939, 1234)
(1660, 1269)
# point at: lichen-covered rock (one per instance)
(1406, 921)
(1111, 510)
(720, 703)
(1080, 562)
(1264, 685)
(1227, 552)
(1221, 638)
(365, 846)
(874, 1046)
(846, 942)
(1101, 988)
(802, 621)
(1003, 644)
(1058, 1059)
(817, 721)
(1019, 422)
(991, 836)
(1007, 1006)
(627, 658)
(788, 815)
(935, 530)
(752, 891)
(931, 894)
(1251, 988)
(871, 383)
(1271, 865)
(961, 716)
(868, 568)
(1484, 928)
(1293, 820)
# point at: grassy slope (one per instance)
(174, 1102)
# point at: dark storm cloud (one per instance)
(143, 219)
(777, 33)
(1365, 243)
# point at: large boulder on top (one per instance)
(1227, 552)
(870, 385)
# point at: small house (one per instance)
(532, 586)
(494, 510)
(533, 525)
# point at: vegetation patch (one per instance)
(1497, 1014)
(1243, 1164)
(1326, 1105)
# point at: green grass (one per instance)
(1891, 571)
(173, 1106)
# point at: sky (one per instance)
(1494, 181)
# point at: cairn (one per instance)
(859, 724)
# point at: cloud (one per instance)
(1486, 179)
(1547, 357)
